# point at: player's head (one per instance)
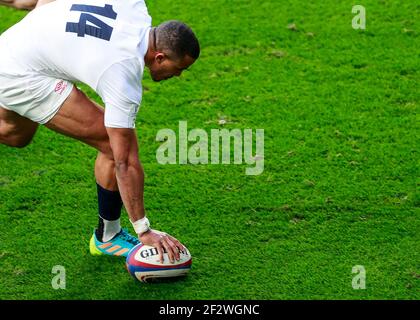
(173, 48)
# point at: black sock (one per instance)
(110, 205)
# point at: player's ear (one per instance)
(160, 57)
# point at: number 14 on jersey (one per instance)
(101, 30)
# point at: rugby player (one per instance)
(105, 44)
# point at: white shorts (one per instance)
(32, 95)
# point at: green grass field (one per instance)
(340, 187)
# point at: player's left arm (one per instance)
(130, 179)
(121, 91)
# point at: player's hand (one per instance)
(162, 242)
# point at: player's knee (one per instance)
(12, 136)
(107, 151)
(22, 144)
(104, 146)
(16, 142)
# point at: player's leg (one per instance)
(15, 130)
(20, 4)
(82, 119)
(24, 4)
(57, 104)
(42, 2)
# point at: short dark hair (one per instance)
(177, 37)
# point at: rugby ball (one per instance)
(144, 265)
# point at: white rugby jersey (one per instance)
(101, 43)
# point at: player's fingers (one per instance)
(178, 244)
(174, 248)
(180, 247)
(159, 248)
(169, 250)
